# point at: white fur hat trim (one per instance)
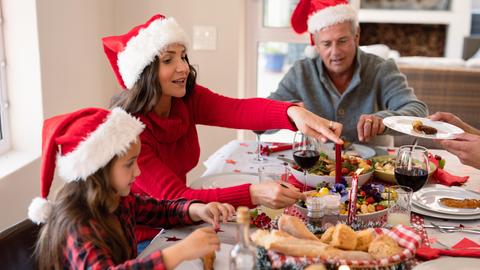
(140, 50)
(39, 210)
(111, 138)
(330, 16)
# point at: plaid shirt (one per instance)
(82, 253)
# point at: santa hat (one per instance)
(314, 15)
(79, 144)
(130, 53)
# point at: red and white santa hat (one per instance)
(314, 15)
(79, 144)
(130, 53)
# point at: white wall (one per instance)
(218, 70)
(74, 73)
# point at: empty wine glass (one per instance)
(411, 166)
(305, 153)
(259, 157)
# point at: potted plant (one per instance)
(274, 54)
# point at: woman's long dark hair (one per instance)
(76, 204)
(144, 94)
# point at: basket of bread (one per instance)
(374, 248)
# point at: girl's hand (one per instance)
(198, 244)
(314, 125)
(212, 213)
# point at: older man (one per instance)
(340, 82)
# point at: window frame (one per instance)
(5, 142)
(257, 33)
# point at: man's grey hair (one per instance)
(355, 26)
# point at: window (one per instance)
(4, 131)
(272, 46)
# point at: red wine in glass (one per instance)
(415, 178)
(306, 159)
(305, 153)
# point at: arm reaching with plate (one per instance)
(465, 146)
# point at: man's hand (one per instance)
(369, 126)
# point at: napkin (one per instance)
(300, 185)
(464, 248)
(445, 178)
(275, 147)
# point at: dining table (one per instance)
(235, 163)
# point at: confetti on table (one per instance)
(230, 161)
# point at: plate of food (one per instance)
(384, 168)
(323, 172)
(372, 202)
(422, 127)
(372, 248)
(447, 200)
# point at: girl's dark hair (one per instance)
(83, 203)
(144, 94)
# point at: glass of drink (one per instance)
(411, 166)
(399, 202)
(273, 173)
(305, 153)
(259, 157)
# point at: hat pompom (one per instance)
(39, 210)
(311, 52)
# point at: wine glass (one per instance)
(259, 157)
(305, 153)
(411, 166)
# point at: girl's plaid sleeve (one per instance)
(161, 213)
(84, 254)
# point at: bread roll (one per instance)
(383, 247)
(295, 227)
(364, 238)
(284, 243)
(327, 235)
(344, 237)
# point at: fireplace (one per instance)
(407, 39)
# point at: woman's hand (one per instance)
(275, 196)
(314, 125)
(466, 147)
(211, 213)
(454, 120)
(198, 244)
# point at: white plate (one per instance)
(357, 150)
(404, 124)
(429, 197)
(223, 180)
(448, 263)
(313, 180)
(425, 212)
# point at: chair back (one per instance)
(17, 245)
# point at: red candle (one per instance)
(338, 163)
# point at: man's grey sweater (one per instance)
(377, 87)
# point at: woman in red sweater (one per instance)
(150, 62)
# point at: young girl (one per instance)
(90, 223)
(151, 64)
